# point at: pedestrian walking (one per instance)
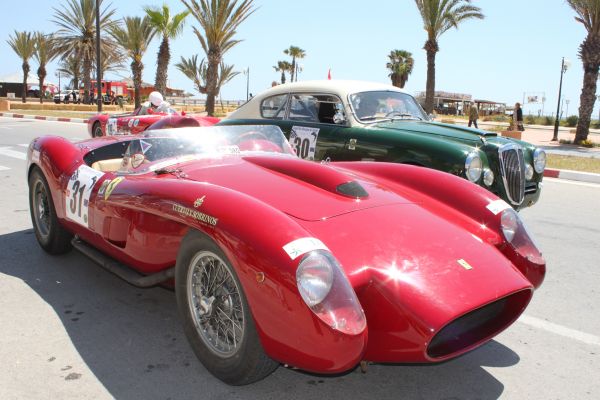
(518, 118)
(473, 116)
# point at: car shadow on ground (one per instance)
(131, 340)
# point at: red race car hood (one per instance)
(307, 191)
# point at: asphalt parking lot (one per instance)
(70, 330)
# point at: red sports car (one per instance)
(141, 119)
(279, 260)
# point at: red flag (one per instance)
(329, 74)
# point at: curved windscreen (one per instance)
(385, 105)
(155, 150)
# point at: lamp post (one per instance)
(567, 101)
(563, 68)
(98, 61)
(247, 73)
(58, 73)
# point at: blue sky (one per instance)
(517, 48)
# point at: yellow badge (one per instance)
(199, 202)
(111, 186)
(464, 264)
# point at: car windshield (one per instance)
(376, 106)
(161, 149)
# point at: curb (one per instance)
(42, 118)
(572, 175)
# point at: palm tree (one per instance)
(134, 37)
(76, 35)
(194, 71)
(219, 20)
(23, 44)
(170, 28)
(44, 53)
(400, 66)
(71, 66)
(296, 53)
(438, 17)
(283, 67)
(588, 14)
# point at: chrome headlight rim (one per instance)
(314, 277)
(473, 166)
(488, 177)
(509, 223)
(539, 160)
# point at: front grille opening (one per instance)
(513, 172)
(478, 325)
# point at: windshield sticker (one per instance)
(233, 149)
(497, 206)
(197, 215)
(304, 141)
(78, 193)
(301, 246)
(145, 146)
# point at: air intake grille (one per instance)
(512, 170)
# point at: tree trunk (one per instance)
(87, 80)
(211, 81)
(136, 71)
(25, 73)
(164, 56)
(293, 69)
(41, 76)
(282, 77)
(586, 102)
(430, 87)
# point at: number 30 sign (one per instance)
(304, 141)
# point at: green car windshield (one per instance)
(376, 106)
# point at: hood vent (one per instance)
(352, 189)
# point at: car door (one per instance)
(313, 125)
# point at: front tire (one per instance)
(216, 318)
(97, 130)
(51, 236)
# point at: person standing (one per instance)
(473, 116)
(518, 118)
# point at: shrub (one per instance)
(530, 119)
(572, 121)
(548, 121)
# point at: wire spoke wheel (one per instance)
(41, 209)
(215, 304)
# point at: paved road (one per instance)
(70, 330)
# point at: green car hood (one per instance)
(459, 133)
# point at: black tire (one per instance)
(247, 362)
(50, 234)
(97, 130)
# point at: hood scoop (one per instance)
(315, 174)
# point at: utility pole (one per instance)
(98, 61)
(563, 68)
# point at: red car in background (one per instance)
(141, 119)
(275, 259)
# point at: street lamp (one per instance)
(563, 68)
(567, 101)
(58, 74)
(247, 73)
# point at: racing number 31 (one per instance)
(77, 196)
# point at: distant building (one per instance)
(448, 103)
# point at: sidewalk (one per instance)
(42, 118)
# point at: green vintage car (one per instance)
(337, 120)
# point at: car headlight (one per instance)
(327, 292)
(314, 277)
(528, 172)
(488, 177)
(539, 160)
(473, 166)
(509, 222)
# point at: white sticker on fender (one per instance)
(304, 245)
(78, 193)
(304, 141)
(111, 126)
(497, 206)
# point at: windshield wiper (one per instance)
(402, 116)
